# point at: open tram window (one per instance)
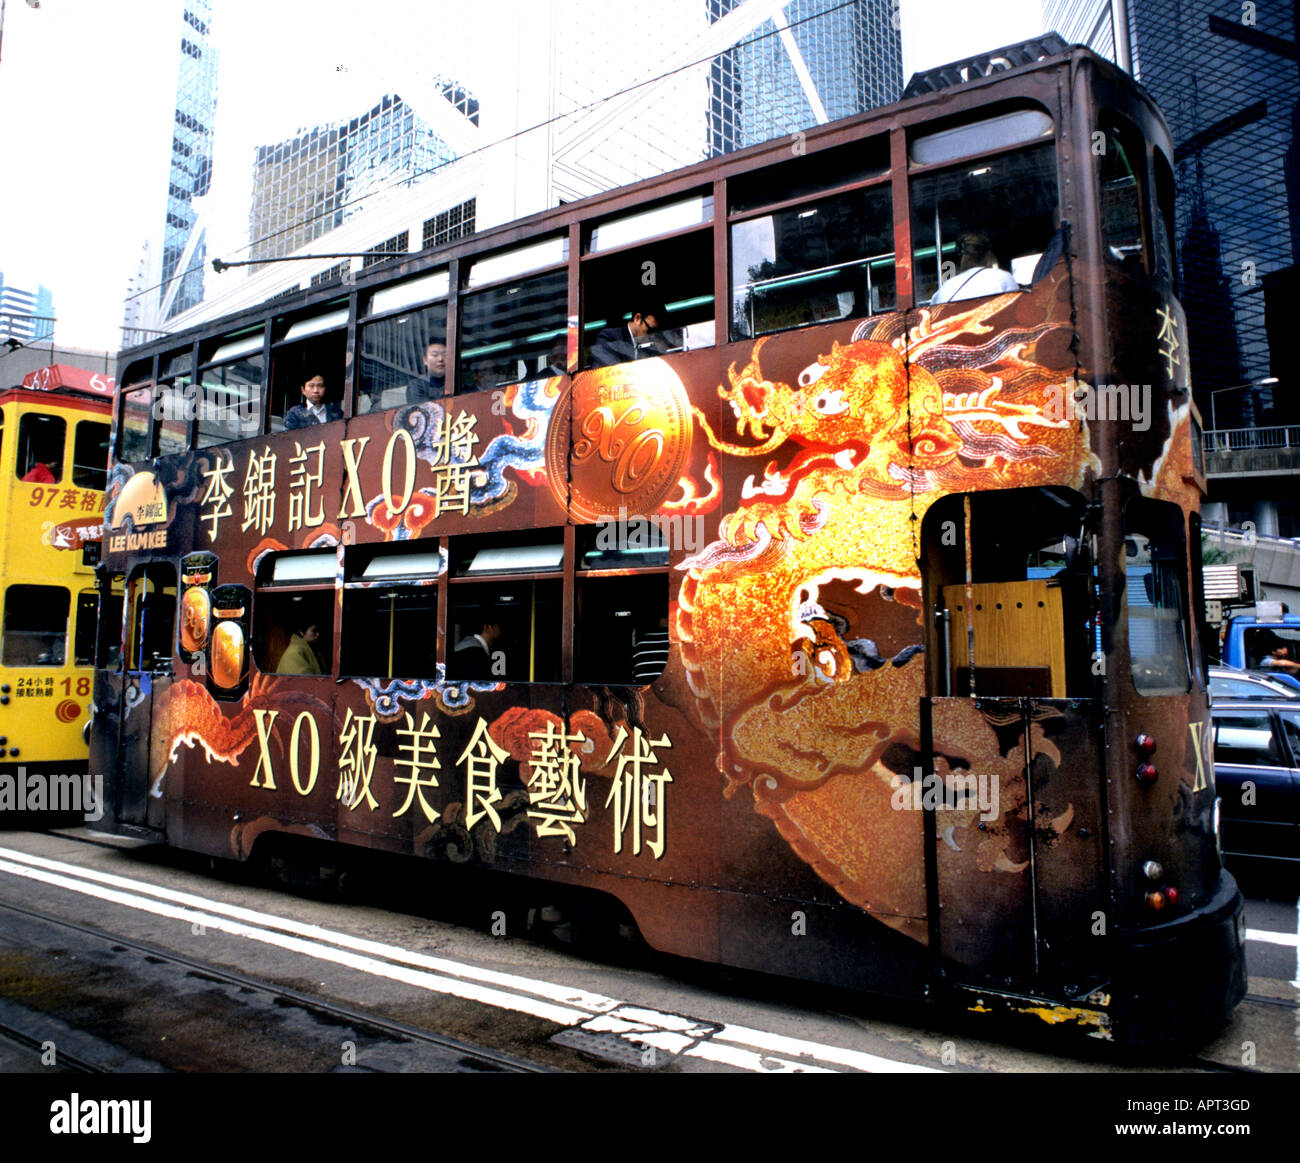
(151, 614)
(35, 626)
(1030, 598)
(40, 448)
(980, 227)
(514, 330)
(293, 612)
(621, 603)
(505, 606)
(230, 388)
(812, 259)
(136, 412)
(90, 455)
(173, 402)
(390, 610)
(1122, 170)
(645, 296)
(404, 355)
(315, 345)
(1155, 597)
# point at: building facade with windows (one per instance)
(25, 315)
(1227, 80)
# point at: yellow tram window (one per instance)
(90, 455)
(40, 448)
(35, 625)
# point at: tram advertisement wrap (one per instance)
(788, 718)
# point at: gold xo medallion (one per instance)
(619, 440)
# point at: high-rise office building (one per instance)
(25, 314)
(810, 61)
(184, 247)
(576, 97)
(1227, 81)
(308, 185)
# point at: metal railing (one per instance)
(1242, 439)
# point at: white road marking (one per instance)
(739, 1046)
(1271, 938)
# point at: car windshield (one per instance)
(1244, 686)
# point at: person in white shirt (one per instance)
(978, 273)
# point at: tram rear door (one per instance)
(133, 685)
(1010, 742)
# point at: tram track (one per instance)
(462, 1056)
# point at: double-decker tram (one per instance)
(54, 435)
(794, 547)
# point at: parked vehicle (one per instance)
(1257, 773)
(1227, 682)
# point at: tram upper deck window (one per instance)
(172, 402)
(1155, 598)
(505, 603)
(1163, 205)
(310, 346)
(40, 448)
(404, 354)
(230, 393)
(1122, 165)
(980, 227)
(90, 454)
(667, 282)
(810, 258)
(136, 412)
(517, 329)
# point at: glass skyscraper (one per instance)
(184, 247)
(814, 61)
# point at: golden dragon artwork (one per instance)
(813, 585)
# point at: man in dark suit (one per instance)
(474, 656)
(432, 386)
(313, 409)
(632, 340)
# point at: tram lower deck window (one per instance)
(35, 625)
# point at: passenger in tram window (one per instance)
(474, 656)
(431, 387)
(639, 337)
(557, 362)
(39, 474)
(314, 409)
(299, 657)
(977, 273)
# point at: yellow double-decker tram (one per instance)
(53, 469)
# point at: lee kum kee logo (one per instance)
(142, 502)
(103, 1116)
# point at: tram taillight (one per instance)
(1146, 744)
(1146, 772)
